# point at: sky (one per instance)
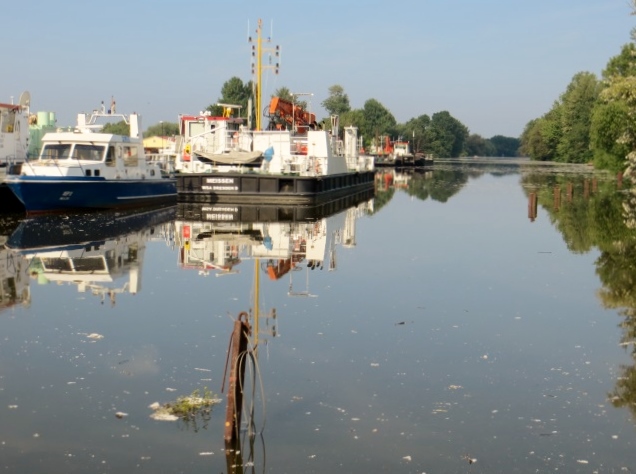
(494, 65)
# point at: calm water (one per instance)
(443, 321)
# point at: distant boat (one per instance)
(14, 145)
(86, 169)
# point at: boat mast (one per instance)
(257, 51)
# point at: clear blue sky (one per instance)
(492, 64)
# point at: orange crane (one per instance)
(283, 112)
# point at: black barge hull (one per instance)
(250, 213)
(254, 188)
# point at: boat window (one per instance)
(89, 265)
(57, 151)
(8, 121)
(88, 152)
(110, 156)
(131, 157)
(196, 128)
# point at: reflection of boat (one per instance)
(217, 238)
(51, 231)
(92, 251)
(14, 279)
(84, 169)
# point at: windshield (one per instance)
(88, 152)
(56, 152)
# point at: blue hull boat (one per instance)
(41, 194)
(86, 169)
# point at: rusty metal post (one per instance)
(570, 192)
(557, 198)
(532, 206)
(238, 352)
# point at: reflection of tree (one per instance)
(382, 198)
(598, 216)
(441, 186)
(617, 271)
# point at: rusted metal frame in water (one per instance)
(236, 355)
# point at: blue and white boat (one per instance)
(85, 169)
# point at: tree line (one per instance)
(440, 135)
(593, 119)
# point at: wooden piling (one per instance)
(532, 207)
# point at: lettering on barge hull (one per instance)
(250, 187)
(218, 184)
(220, 213)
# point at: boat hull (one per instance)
(41, 194)
(270, 188)
(61, 231)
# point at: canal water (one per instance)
(469, 318)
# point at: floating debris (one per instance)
(185, 408)
(407, 458)
(206, 453)
(121, 414)
(95, 336)
(582, 461)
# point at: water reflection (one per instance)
(283, 241)
(100, 253)
(443, 338)
(274, 242)
(594, 213)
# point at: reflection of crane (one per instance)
(283, 112)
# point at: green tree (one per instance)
(610, 125)
(476, 145)
(165, 129)
(117, 128)
(541, 136)
(446, 135)
(233, 92)
(415, 129)
(338, 102)
(377, 119)
(505, 146)
(576, 106)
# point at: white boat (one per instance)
(14, 131)
(88, 169)
(292, 161)
(292, 144)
